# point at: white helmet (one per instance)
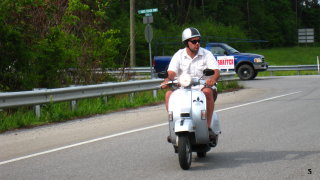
(190, 33)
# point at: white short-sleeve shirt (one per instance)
(182, 63)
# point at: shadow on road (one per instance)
(234, 159)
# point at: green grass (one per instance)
(290, 56)
(25, 117)
(303, 55)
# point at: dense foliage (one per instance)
(54, 43)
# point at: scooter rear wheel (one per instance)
(184, 151)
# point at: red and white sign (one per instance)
(226, 62)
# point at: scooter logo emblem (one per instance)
(198, 100)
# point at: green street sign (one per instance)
(148, 11)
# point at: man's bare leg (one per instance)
(168, 94)
(210, 104)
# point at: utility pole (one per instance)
(132, 34)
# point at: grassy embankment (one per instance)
(290, 56)
(24, 117)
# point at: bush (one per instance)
(41, 40)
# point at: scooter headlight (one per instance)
(185, 80)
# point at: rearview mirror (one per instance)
(163, 74)
(208, 72)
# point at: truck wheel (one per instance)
(255, 74)
(246, 72)
(184, 151)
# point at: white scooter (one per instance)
(188, 119)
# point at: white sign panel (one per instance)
(226, 62)
(306, 35)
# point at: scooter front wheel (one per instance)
(184, 151)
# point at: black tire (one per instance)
(184, 151)
(246, 72)
(201, 154)
(255, 74)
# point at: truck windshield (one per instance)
(231, 49)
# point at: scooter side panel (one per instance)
(215, 124)
(180, 102)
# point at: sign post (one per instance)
(318, 64)
(148, 33)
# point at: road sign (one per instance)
(226, 62)
(306, 35)
(148, 11)
(148, 34)
(147, 19)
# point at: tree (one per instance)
(309, 15)
(41, 40)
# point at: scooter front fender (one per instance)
(184, 125)
(178, 126)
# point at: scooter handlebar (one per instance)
(171, 84)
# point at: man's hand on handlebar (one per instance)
(164, 84)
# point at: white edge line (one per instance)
(255, 102)
(80, 143)
(127, 132)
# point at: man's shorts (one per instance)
(214, 93)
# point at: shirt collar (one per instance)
(200, 52)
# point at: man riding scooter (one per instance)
(192, 60)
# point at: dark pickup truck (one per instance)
(246, 65)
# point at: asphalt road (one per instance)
(270, 130)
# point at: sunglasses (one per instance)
(195, 41)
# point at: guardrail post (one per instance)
(131, 96)
(105, 99)
(155, 93)
(74, 105)
(318, 65)
(37, 108)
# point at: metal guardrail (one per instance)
(270, 68)
(42, 96)
(132, 70)
(297, 68)
(293, 68)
